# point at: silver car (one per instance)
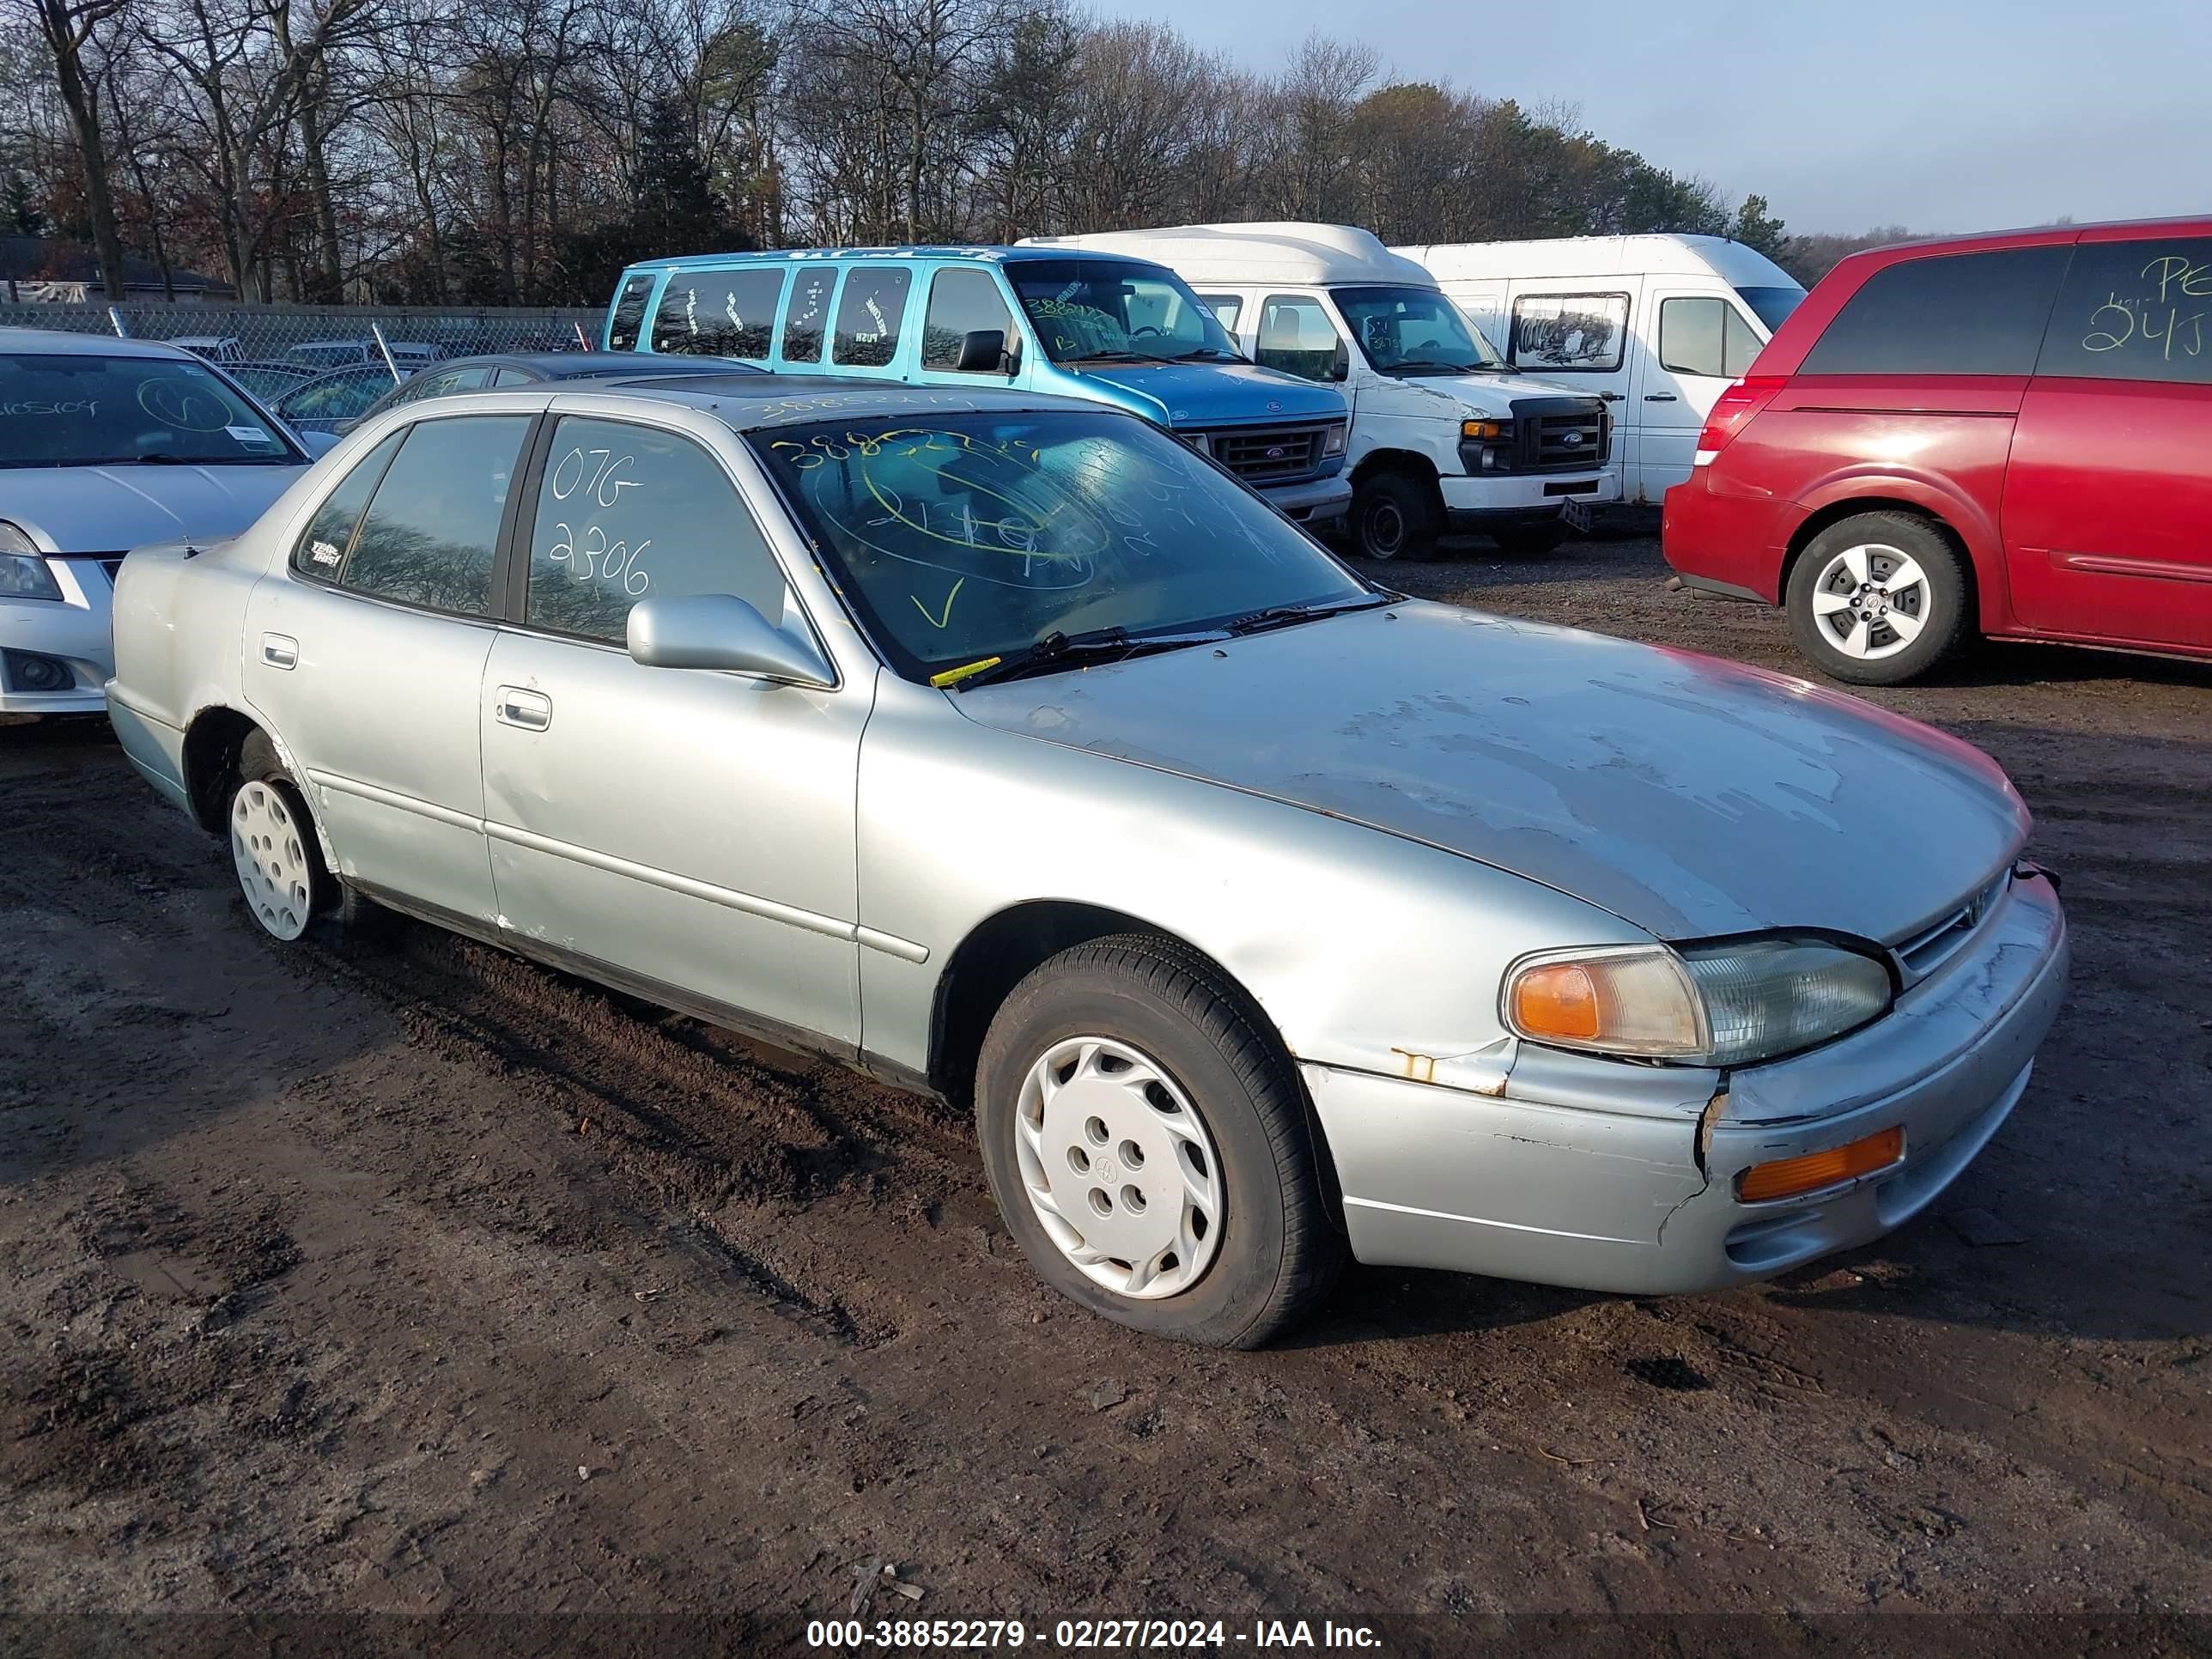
(105, 444)
(1007, 749)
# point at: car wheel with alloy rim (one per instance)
(1878, 599)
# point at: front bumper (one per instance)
(1606, 1176)
(1474, 504)
(75, 630)
(1318, 501)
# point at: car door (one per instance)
(1700, 344)
(689, 833)
(2107, 514)
(365, 653)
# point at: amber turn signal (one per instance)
(1791, 1176)
(1482, 429)
(1558, 1001)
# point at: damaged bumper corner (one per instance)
(1607, 1176)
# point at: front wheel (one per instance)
(1146, 1139)
(1394, 515)
(1878, 599)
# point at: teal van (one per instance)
(1113, 329)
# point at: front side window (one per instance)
(719, 314)
(322, 547)
(1226, 308)
(2134, 311)
(808, 317)
(962, 537)
(962, 300)
(626, 318)
(1570, 333)
(628, 512)
(1955, 313)
(1089, 311)
(432, 525)
(1297, 337)
(79, 408)
(1413, 331)
(869, 311)
(1708, 336)
(1772, 306)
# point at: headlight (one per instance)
(1713, 1005)
(23, 573)
(1332, 442)
(1197, 440)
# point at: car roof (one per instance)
(595, 365)
(977, 254)
(57, 341)
(1273, 251)
(749, 401)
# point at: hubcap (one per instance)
(1872, 601)
(273, 871)
(1119, 1167)
(1385, 529)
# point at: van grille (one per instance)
(1267, 455)
(1561, 434)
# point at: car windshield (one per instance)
(961, 538)
(1413, 330)
(338, 396)
(1112, 310)
(1772, 304)
(78, 409)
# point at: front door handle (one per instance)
(1610, 396)
(532, 711)
(1659, 398)
(279, 651)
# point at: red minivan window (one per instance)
(1957, 313)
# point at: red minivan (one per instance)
(2008, 434)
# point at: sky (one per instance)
(1946, 115)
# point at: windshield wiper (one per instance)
(1114, 357)
(1289, 616)
(1057, 651)
(1212, 352)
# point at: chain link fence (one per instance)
(323, 338)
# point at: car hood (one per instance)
(1209, 394)
(109, 509)
(1464, 397)
(1690, 796)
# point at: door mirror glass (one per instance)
(1341, 368)
(982, 350)
(317, 444)
(721, 630)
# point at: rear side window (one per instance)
(1704, 337)
(432, 526)
(719, 314)
(1297, 337)
(868, 315)
(961, 301)
(322, 545)
(1954, 313)
(628, 512)
(2135, 311)
(808, 314)
(1570, 333)
(628, 315)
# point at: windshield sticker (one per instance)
(252, 436)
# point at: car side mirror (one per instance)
(721, 630)
(984, 351)
(1339, 368)
(317, 444)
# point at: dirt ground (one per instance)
(425, 1282)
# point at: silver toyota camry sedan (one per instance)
(1009, 750)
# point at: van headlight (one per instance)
(1727, 1004)
(23, 571)
(1332, 441)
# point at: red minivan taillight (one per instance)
(1733, 411)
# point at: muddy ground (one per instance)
(426, 1282)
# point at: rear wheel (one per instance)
(1146, 1139)
(1878, 599)
(280, 871)
(1394, 515)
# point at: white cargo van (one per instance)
(1658, 326)
(1443, 437)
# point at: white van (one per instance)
(1658, 326)
(1443, 438)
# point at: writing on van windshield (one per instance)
(2165, 317)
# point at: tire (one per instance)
(1394, 515)
(1224, 1115)
(1860, 580)
(1529, 537)
(287, 888)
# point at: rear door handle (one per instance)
(1659, 398)
(532, 711)
(1610, 396)
(279, 651)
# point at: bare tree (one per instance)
(73, 31)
